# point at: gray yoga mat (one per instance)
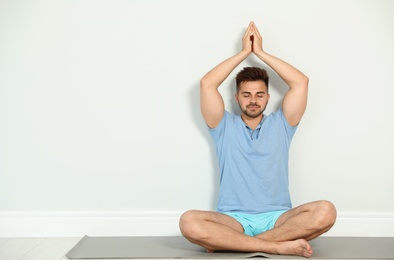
(179, 247)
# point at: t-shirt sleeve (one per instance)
(218, 131)
(290, 130)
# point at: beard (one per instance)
(253, 110)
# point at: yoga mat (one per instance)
(179, 247)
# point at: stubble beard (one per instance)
(253, 114)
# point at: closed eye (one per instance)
(246, 94)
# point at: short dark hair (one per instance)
(251, 74)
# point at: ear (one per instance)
(236, 97)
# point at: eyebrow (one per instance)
(247, 92)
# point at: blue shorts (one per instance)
(255, 224)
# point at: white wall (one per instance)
(99, 105)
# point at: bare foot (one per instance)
(298, 247)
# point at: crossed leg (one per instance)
(307, 221)
(215, 231)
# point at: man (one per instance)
(254, 211)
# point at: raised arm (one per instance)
(212, 105)
(295, 99)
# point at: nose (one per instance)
(252, 99)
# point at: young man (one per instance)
(254, 211)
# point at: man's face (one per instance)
(252, 98)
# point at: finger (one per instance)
(256, 31)
(248, 31)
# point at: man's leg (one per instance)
(215, 231)
(307, 221)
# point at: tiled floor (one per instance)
(36, 248)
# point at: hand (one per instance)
(247, 39)
(257, 43)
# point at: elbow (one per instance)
(304, 81)
(209, 82)
(204, 83)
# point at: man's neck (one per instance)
(251, 122)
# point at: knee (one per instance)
(326, 214)
(188, 224)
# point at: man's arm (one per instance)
(211, 102)
(295, 99)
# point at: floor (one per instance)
(39, 248)
(36, 248)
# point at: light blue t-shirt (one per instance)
(253, 164)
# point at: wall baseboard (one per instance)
(363, 224)
(119, 223)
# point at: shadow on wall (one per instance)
(194, 97)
